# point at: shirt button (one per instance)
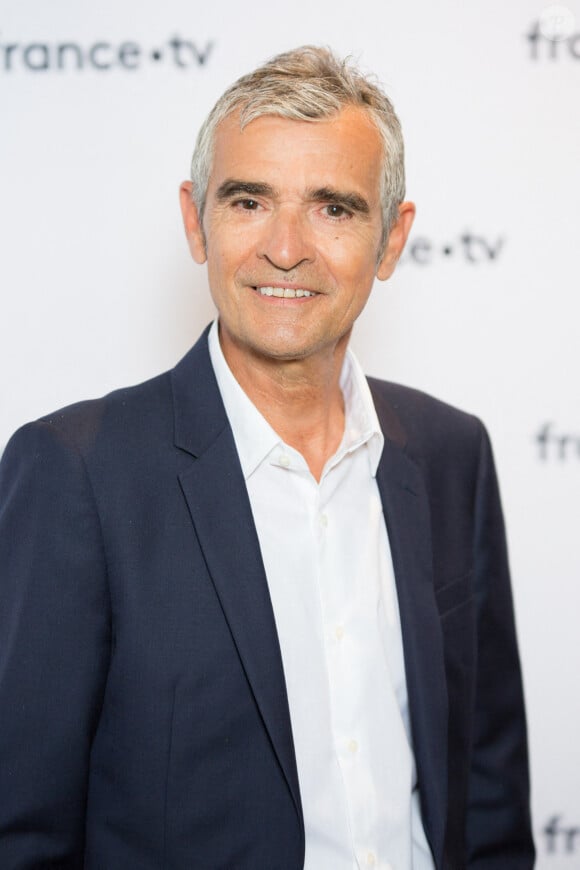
(352, 746)
(371, 859)
(284, 460)
(339, 632)
(323, 520)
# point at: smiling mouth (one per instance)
(284, 292)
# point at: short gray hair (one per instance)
(307, 84)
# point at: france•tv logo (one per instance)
(553, 35)
(101, 55)
(560, 839)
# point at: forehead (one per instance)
(345, 149)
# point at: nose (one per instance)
(286, 239)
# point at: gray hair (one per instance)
(307, 84)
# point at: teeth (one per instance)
(284, 292)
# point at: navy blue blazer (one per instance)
(144, 721)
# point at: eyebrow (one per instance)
(351, 200)
(235, 187)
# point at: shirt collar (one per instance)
(254, 436)
(361, 422)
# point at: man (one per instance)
(255, 612)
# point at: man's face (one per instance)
(291, 232)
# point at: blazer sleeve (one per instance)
(498, 820)
(54, 647)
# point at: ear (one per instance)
(396, 241)
(192, 223)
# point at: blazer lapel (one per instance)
(215, 490)
(407, 518)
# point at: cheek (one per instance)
(228, 252)
(221, 261)
(355, 250)
(352, 266)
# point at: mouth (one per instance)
(284, 292)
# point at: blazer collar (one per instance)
(199, 413)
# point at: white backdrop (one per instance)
(99, 107)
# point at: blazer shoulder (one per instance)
(416, 408)
(131, 425)
(425, 426)
(130, 415)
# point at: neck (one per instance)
(301, 399)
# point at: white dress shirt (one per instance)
(328, 563)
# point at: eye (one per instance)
(337, 211)
(246, 204)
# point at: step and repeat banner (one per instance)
(100, 104)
